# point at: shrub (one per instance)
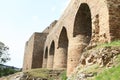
(63, 75)
(6, 71)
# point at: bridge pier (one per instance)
(50, 61)
(60, 59)
(75, 50)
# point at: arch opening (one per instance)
(63, 39)
(83, 23)
(52, 48)
(51, 55)
(63, 47)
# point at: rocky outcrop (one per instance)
(102, 56)
(94, 60)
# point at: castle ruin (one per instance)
(84, 24)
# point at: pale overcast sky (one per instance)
(19, 19)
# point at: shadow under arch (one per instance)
(51, 55)
(83, 23)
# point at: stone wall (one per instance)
(39, 40)
(84, 23)
(28, 53)
(114, 19)
(33, 57)
(50, 27)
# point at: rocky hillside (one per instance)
(99, 63)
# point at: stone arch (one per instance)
(82, 32)
(51, 55)
(52, 48)
(45, 58)
(63, 39)
(83, 24)
(62, 50)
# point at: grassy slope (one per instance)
(111, 73)
(46, 74)
(114, 43)
(103, 73)
(41, 73)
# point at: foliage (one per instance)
(4, 56)
(63, 76)
(7, 71)
(114, 43)
(110, 74)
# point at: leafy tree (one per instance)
(7, 71)
(4, 56)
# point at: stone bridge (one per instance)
(84, 24)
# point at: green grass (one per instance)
(109, 74)
(112, 73)
(46, 74)
(117, 61)
(103, 73)
(114, 43)
(63, 75)
(41, 73)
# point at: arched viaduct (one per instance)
(84, 23)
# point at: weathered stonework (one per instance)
(84, 23)
(34, 51)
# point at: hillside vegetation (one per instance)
(99, 63)
(44, 74)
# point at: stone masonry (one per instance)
(84, 23)
(34, 51)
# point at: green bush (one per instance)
(63, 75)
(6, 71)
